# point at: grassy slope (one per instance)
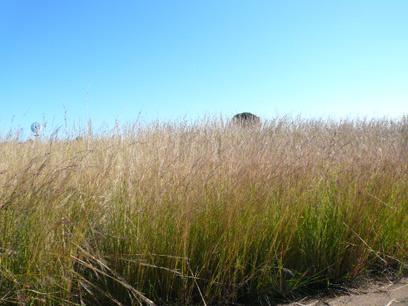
(204, 212)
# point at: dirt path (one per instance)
(373, 294)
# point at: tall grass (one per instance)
(202, 213)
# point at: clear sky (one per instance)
(167, 59)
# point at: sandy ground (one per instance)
(372, 294)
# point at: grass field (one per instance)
(202, 213)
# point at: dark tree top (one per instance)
(246, 119)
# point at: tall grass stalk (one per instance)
(202, 213)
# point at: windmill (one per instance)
(36, 128)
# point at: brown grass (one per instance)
(202, 213)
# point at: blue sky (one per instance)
(108, 60)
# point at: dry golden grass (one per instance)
(202, 213)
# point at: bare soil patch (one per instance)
(371, 293)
